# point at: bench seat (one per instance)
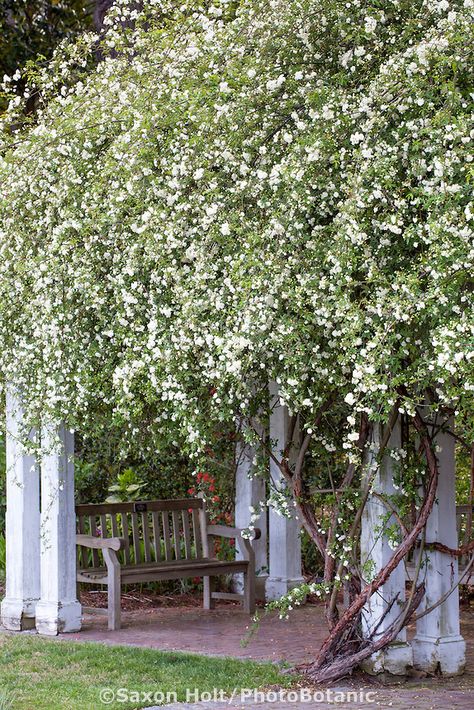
(177, 569)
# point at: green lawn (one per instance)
(59, 675)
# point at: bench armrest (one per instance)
(243, 543)
(226, 531)
(100, 543)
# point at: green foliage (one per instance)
(463, 475)
(127, 487)
(91, 484)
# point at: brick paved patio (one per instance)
(218, 632)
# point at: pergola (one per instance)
(41, 547)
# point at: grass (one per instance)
(59, 675)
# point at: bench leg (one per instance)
(208, 585)
(113, 590)
(249, 591)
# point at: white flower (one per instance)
(370, 23)
(357, 138)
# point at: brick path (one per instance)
(216, 633)
(220, 632)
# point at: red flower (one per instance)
(215, 499)
(199, 476)
(191, 491)
(206, 477)
(212, 488)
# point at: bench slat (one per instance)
(126, 536)
(82, 559)
(197, 533)
(187, 535)
(93, 532)
(156, 535)
(204, 536)
(136, 538)
(103, 525)
(176, 534)
(146, 536)
(166, 535)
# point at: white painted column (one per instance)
(22, 525)
(284, 533)
(251, 492)
(58, 610)
(375, 554)
(438, 643)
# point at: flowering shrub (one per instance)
(274, 190)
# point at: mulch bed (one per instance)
(134, 599)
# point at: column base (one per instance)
(277, 587)
(260, 587)
(260, 582)
(446, 654)
(395, 659)
(18, 614)
(53, 618)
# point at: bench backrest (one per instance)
(154, 530)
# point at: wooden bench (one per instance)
(128, 543)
